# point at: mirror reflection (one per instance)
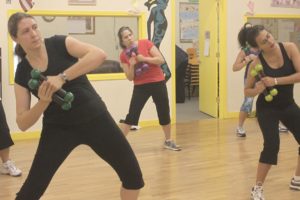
(97, 30)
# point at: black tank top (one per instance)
(285, 96)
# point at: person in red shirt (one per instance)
(147, 83)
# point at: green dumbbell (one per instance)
(259, 68)
(269, 92)
(61, 97)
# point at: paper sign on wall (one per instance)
(206, 43)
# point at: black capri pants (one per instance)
(57, 141)
(5, 138)
(140, 95)
(268, 119)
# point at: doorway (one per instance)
(187, 86)
(187, 109)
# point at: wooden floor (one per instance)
(213, 165)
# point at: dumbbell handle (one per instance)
(262, 74)
(260, 71)
(57, 99)
(265, 92)
(61, 97)
(66, 105)
(61, 92)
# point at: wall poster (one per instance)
(188, 21)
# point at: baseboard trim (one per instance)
(29, 135)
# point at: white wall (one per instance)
(235, 20)
(116, 93)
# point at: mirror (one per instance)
(283, 28)
(97, 28)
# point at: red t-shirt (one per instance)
(154, 73)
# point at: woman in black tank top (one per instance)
(281, 65)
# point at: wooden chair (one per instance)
(192, 72)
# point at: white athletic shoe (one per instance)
(295, 185)
(171, 145)
(283, 129)
(10, 168)
(257, 193)
(134, 128)
(240, 132)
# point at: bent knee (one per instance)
(133, 183)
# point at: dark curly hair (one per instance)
(253, 33)
(242, 36)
